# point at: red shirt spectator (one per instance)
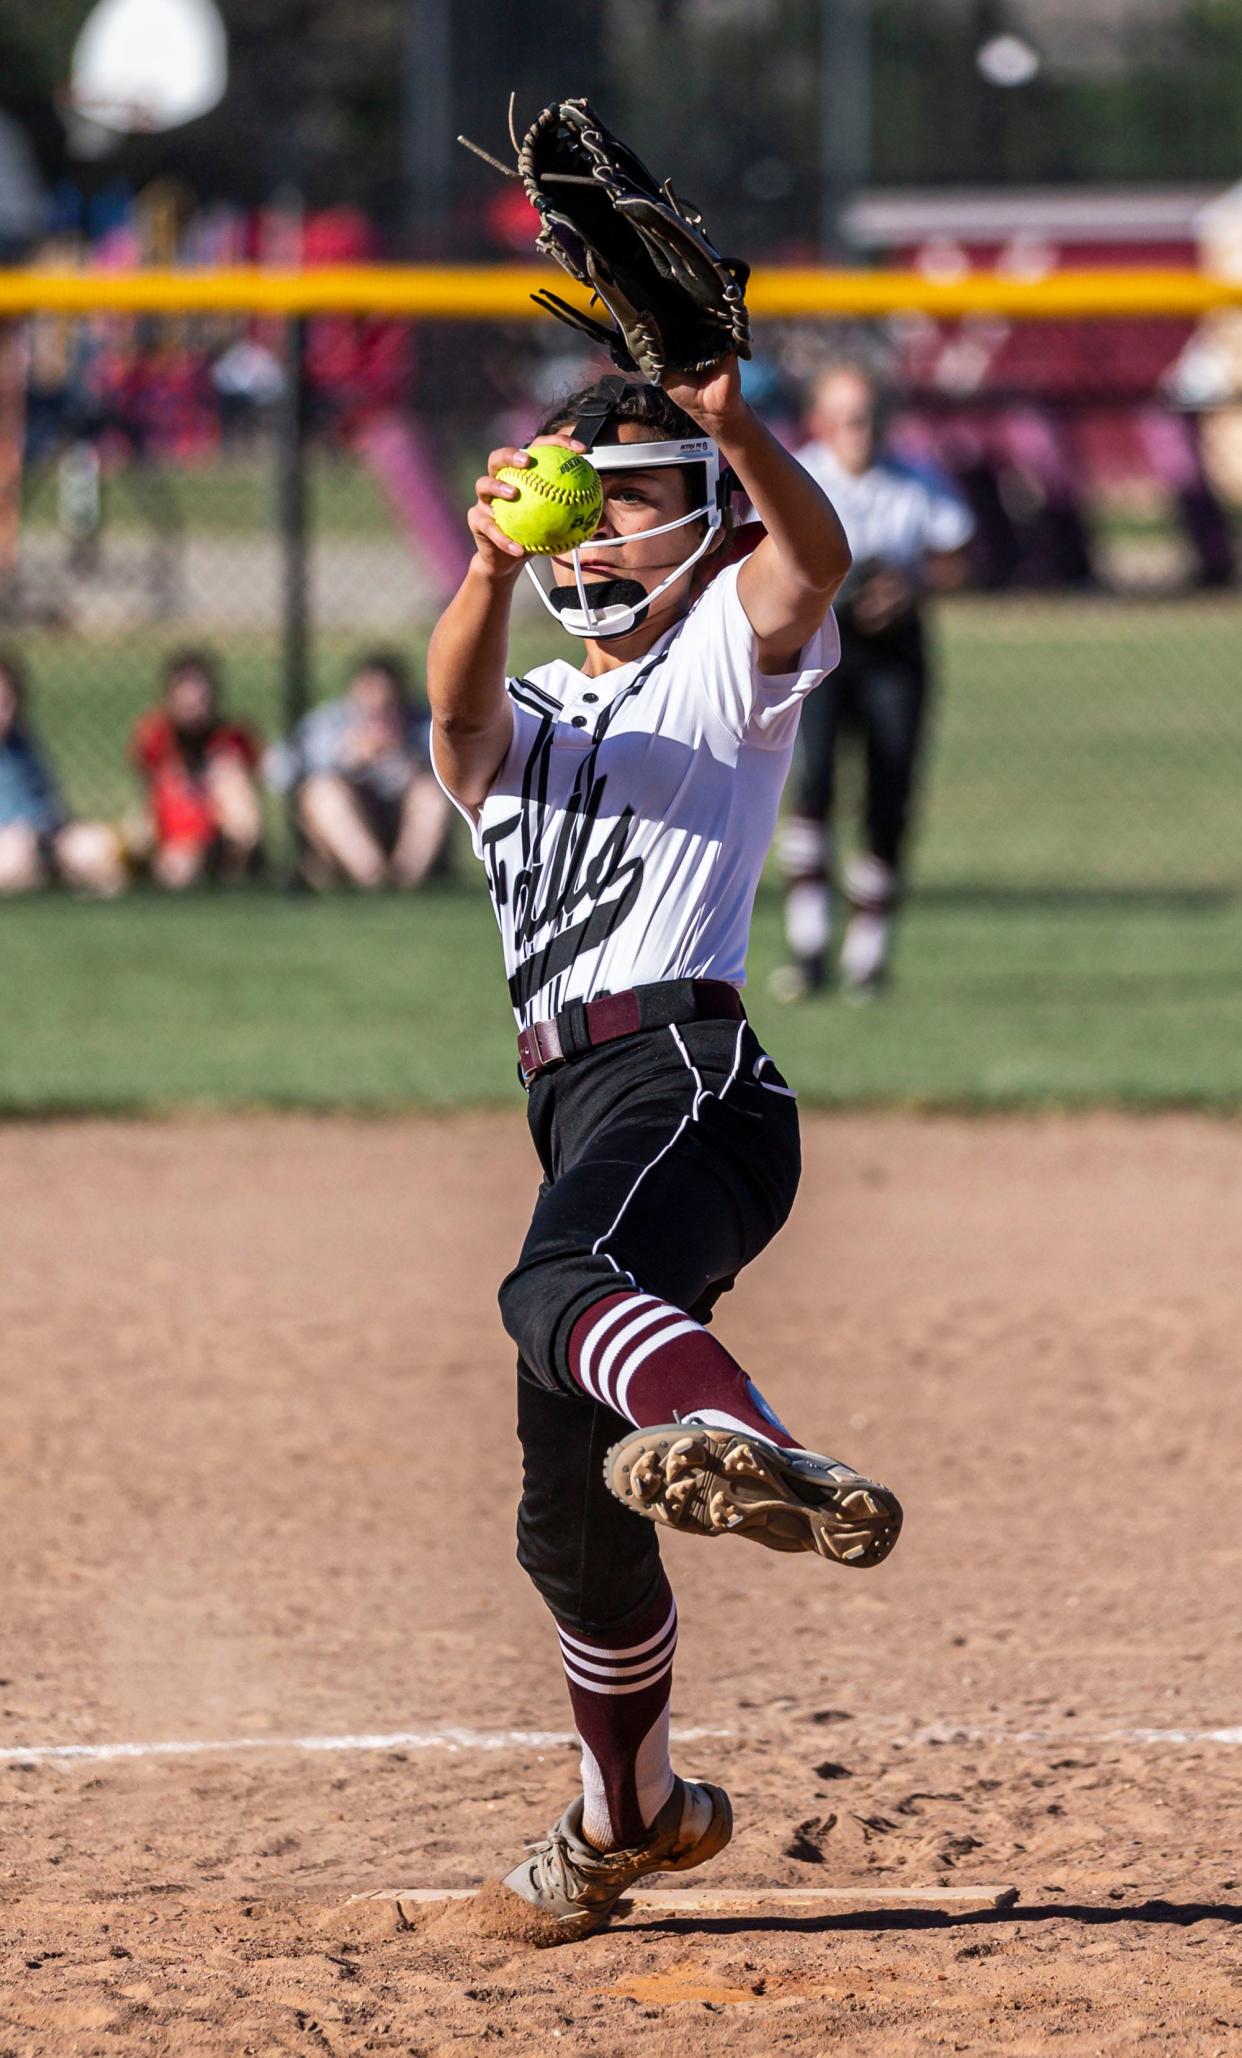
(199, 772)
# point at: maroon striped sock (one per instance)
(653, 1363)
(620, 1689)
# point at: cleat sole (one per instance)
(719, 1482)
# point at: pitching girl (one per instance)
(622, 800)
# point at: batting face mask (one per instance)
(612, 607)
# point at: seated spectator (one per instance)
(38, 843)
(199, 773)
(367, 801)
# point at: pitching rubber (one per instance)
(717, 1482)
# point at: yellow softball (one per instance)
(560, 500)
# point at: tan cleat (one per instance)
(568, 1879)
(721, 1482)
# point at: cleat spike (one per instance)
(786, 1499)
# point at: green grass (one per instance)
(1087, 742)
(228, 495)
(1075, 936)
(1075, 741)
(1004, 999)
(230, 492)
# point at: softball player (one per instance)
(622, 806)
(908, 535)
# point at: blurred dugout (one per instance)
(291, 492)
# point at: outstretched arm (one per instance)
(471, 718)
(786, 585)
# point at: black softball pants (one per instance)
(882, 694)
(670, 1158)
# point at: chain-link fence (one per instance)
(287, 493)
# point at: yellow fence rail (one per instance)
(502, 292)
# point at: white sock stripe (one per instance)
(664, 1652)
(596, 1821)
(601, 1328)
(639, 1357)
(630, 1650)
(653, 1774)
(621, 1307)
(632, 1686)
(802, 844)
(716, 1418)
(602, 1675)
(662, 1313)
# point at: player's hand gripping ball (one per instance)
(560, 500)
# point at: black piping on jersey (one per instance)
(544, 893)
(533, 698)
(496, 869)
(552, 899)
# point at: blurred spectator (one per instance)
(248, 380)
(37, 841)
(1171, 440)
(199, 773)
(908, 531)
(368, 804)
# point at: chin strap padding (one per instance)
(601, 593)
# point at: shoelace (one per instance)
(560, 1871)
(553, 1868)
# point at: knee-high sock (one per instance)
(620, 1689)
(805, 850)
(654, 1363)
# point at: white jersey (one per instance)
(891, 511)
(626, 830)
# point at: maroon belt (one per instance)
(585, 1025)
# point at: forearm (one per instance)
(801, 523)
(466, 662)
(944, 571)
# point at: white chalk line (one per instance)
(969, 1733)
(678, 1900)
(390, 1740)
(455, 1739)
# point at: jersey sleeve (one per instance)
(315, 743)
(948, 523)
(508, 779)
(756, 707)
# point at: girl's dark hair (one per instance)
(647, 405)
(390, 664)
(12, 669)
(637, 402)
(191, 660)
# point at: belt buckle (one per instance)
(543, 1042)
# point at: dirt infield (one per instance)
(259, 1483)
